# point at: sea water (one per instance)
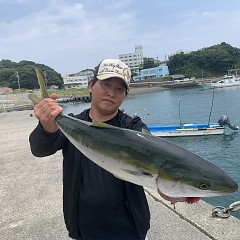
(193, 105)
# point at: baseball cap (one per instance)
(114, 68)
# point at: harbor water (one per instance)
(193, 105)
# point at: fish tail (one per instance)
(34, 98)
(42, 84)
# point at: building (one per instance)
(177, 77)
(152, 73)
(133, 60)
(72, 81)
(78, 80)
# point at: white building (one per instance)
(78, 80)
(133, 60)
(73, 81)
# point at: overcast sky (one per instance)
(72, 35)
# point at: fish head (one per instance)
(197, 178)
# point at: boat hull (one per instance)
(185, 131)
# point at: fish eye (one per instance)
(204, 186)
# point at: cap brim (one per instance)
(106, 76)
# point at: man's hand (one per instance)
(46, 112)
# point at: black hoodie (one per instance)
(45, 144)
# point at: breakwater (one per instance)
(75, 98)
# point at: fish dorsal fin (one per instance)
(145, 131)
(101, 124)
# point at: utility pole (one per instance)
(18, 78)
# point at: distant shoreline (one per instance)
(11, 102)
(138, 90)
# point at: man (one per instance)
(97, 205)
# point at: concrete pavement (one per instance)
(31, 196)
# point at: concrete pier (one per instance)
(31, 196)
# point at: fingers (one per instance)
(54, 96)
(47, 111)
(46, 108)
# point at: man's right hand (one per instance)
(46, 112)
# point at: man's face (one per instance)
(107, 95)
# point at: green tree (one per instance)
(26, 73)
(148, 63)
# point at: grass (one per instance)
(69, 92)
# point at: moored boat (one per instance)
(226, 81)
(187, 130)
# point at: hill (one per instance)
(206, 62)
(213, 61)
(13, 74)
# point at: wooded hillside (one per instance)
(206, 62)
(25, 70)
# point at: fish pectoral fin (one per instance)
(146, 173)
(101, 125)
(141, 172)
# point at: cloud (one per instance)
(76, 34)
(62, 32)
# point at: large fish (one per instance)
(144, 159)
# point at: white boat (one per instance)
(226, 81)
(187, 130)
